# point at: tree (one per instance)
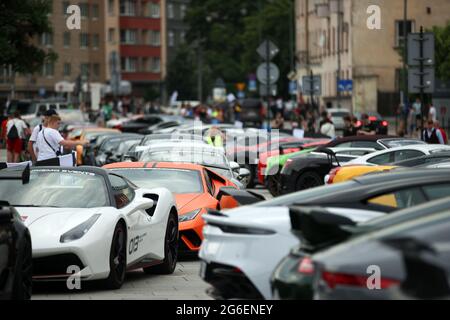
(20, 23)
(181, 75)
(442, 35)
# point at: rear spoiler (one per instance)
(16, 173)
(317, 227)
(243, 197)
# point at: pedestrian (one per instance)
(32, 150)
(432, 113)
(431, 135)
(16, 130)
(278, 122)
(367, 127)
(349, 129)
(417, 107)
(4, 130)
(327, 127)
(437, 126)
(50, 141)
(215, 137)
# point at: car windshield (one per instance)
(24, 107)
(210, 159)
(176, 180)
(126, 145)
(302, 197)
(111, 144)
(56, 188)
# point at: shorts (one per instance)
(14, 145)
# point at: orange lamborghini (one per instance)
(196, 189)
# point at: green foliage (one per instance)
(229, 33)
(442, 52)
(20, 23)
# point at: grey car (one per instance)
(410, 260)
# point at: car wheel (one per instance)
(308, 180)
(273, 184)
(251, 178)
(170, 249)
(117, 258)
(23, 280)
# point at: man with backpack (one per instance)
(32, 149)
(16, 131)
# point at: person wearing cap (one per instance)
(32, 149)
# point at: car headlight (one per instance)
(189, 216)
(79, 231)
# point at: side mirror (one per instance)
(142, 204)
(243, 173)
(234, 166)
(5, 215)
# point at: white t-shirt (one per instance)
(20, 125)
(53, 137)
(34, 136)
(433, 113)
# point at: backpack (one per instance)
(13, 133)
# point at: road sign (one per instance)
(268, 47)
(313, 87)
(414, 51)
(414, 76)
(263, 90)
(293, 87)
(345, 85)
(270, 69)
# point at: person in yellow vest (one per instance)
(215, 137)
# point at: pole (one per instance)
(422, 80)
(311, 88)
(268, 85)
(338, 78)
(405, 58)
(291, 40)
(200, 72)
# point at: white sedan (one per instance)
(398, 154)
(94, 224)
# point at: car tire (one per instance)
(171, 241)
(23, 278)
(117, 258)
(273, 184)
(308, 180)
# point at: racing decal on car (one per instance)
(133, 247)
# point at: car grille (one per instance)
(56, 265)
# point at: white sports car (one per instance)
(94, 222)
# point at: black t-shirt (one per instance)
(350, 131)
(368, 127)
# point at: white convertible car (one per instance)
(95, 222)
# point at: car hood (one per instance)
(185, 200)
(271, 218)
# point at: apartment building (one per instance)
(370, 58)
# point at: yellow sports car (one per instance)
(342, 174)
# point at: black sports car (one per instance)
(15, 248)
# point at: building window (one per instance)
(48, 69)
(129, 64)
(182, 36)
(96, 70)
(95, 40)
(128, 7)
(95, 11)
(84, 8)
(111, 5)
(47, 39)
(84, 40)
(66, 39)
(111, 35)
(170, 11)
(400, 31)
(171, 40)
(155, 11)
(67, 70)
(155, 38)
(128, 36)
(183, 9)
(84, 69)
(156, 65)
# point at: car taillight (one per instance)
(358, 124)
(333, 174)
(118, 127)
(373, 118)
(384, 123)
(306, 266)
(334, 279)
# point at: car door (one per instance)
(139, 222)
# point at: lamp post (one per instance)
(339, 45)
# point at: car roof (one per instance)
(150, 165)
(414, 174)
(418, 147)
(363, 138)
(100, 130)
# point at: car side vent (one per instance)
(155, 199)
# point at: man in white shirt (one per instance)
(50, 141)
(32, 149)
(432, 114)
(16, 131)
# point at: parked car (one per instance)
(337, 117)
(32, 109)
(104, 151)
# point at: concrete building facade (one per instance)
(369, 57)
